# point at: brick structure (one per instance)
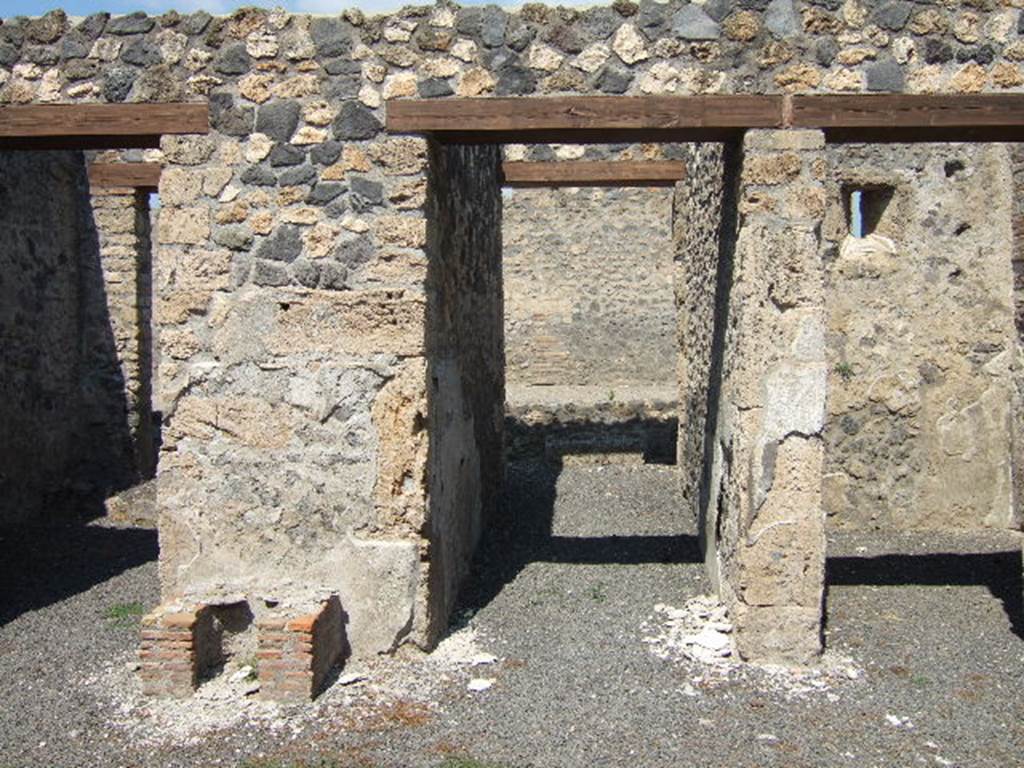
(178, 648)
(296, 655)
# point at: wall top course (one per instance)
(256, 56)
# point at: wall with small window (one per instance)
(921, 337)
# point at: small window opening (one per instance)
(866, 207)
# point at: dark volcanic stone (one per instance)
(133, 24)
(825, 51)
(614, 78)
(434, 87)
(195, 24)
(332, 37)
(228, 118)
(92, 26)
(44, 55)
(232, 60)
(325, 192)
(80, 69)
(48, 28)
(937, 51)
(326, 153)
(333, 275)
(270, 274)
(365, 194)
(892, 15)
(493, 22)
(354, 122)
(433, 39)
(141, 53)
(75, 45)
(259, 176)
(284, 155)
(285, 244)
(278, 119)
(355, 252)
(9, 55)
(305, 273)
(294, 177)
(884, 75)
(518, 34)
(118, 83)
(515, 81)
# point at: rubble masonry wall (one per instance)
(290, 284)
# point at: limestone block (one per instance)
(184, 225)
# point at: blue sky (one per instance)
(85, 7)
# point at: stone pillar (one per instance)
(123, 231)
(766, 520)
(1016, 153)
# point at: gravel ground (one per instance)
(927, 629)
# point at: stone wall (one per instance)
(291, 268)
(67, 440)
(466, 369)
(123, 227)
(704, 230)
(921, 344)
(588, 287)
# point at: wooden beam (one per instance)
(144, 176)
(98, 126)
(661, 173)
(909, 118)
(584, 118)
(887, 118)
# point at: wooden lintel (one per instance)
(612, 173)
(907, 110)
(143, 176)
(885, 118)
(529, 117)
(98, 126)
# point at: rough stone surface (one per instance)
(588, 297)
(75, 371)
(917, 436)
(270, 370)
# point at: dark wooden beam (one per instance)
(144, 176)
(887, 118)
(98, 126)
(907, 118)
(602, 118)
(613, 173)
(906, 110)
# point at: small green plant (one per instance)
(597, 593)
(465, 761)
(125, 614)
(611, 395)
(844, 370)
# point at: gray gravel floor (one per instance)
(934, 620)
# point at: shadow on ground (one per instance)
(41, 566)
(523, 535)
(1000, 572)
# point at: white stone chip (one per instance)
(478, 684)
